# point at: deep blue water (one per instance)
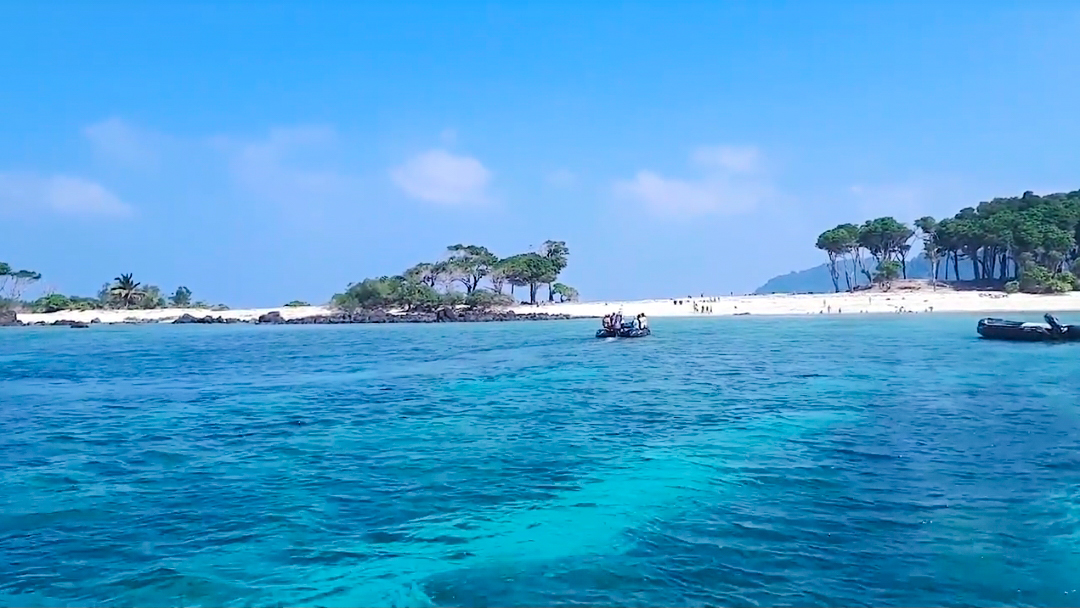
(892, 460)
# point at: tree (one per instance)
(5, 275)
(126, 290)
(565, 292)
(847, 237)
(886, 239)
(387, 292)
(1038, 279)
(827, 242)
(472, 263)
(1003, 239)
(530, 269)
(51, 303)
(424, 272)
(497, 277)
(151, 298)
(181, 298)
(20, 280)
(887, 272)
(558, 254)
(931, 251)
(840, 243)
(14, 282)
(445, 274)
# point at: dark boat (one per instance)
(627, 331)
(1020, 331)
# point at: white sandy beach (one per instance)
(166, 315)
(843, 303)
(880, 302)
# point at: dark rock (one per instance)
(95, 320)
(8, 318)
(443, 315)
(79, 325)
(273, 318)
(207, 320)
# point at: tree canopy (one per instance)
(14, 282)
(428, 285)
(1029, 239)
(122, 292)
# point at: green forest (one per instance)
(483, 278)
(469, 275)
(123, 292)
(1027, 243)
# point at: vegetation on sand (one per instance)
(430, 285)
(1027, 243)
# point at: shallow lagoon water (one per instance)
(891, 460)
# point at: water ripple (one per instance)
(816, 461)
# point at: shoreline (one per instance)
(700, 306)
(894, 302)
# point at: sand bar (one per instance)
(779, 304)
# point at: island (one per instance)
(1008, 254)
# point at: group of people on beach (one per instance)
(614, 321)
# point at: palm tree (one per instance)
(126, 290)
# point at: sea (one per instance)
(890, 460)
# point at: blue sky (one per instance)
(261, 152)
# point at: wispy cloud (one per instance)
(437, 176)
(730, 183)
(61, 194)
(117, 141)
(290, 166)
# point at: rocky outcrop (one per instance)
(443, 315)
(186, 319)
(271, 318)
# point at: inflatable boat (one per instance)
(1020, 331)
(627, 331)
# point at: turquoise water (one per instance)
(893, 460)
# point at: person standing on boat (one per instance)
(617, 324)
(642, 321)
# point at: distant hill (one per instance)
(817, 279)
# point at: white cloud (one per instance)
(63, 194)
(562, 178)
(437, 176)
(713, 195)
(118, 141)
(730, 185)
(289, 166)
(736, 159)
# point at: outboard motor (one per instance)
(1055, 326)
